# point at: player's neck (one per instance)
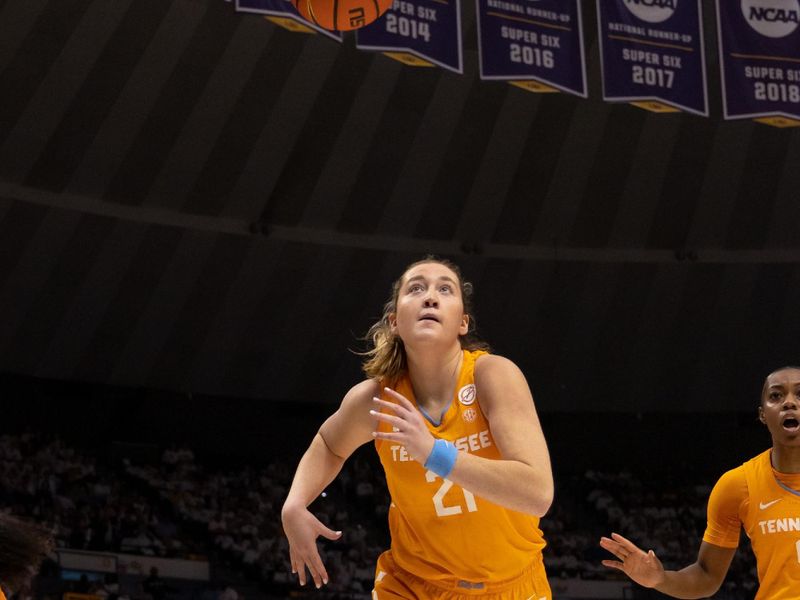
(786, 459)
(434, 375)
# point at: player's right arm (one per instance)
(703, 577)
(344, 431)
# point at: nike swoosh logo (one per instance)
(763, 505)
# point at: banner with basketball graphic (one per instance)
(421, 33)
(537, 46)
(759, 48)
(281, 12)
(652, 54)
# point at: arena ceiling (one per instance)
(193, 199)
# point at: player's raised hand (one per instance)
(409, 426)
(642, 567)
(302, 529)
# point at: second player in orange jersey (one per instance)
(762, 496)
(464, 454)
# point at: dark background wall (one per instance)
(116, 422)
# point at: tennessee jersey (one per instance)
(441, 532)
(767, 504)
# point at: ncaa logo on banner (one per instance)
(772, 18)
(652, 11)
(466, 395)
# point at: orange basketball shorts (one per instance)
(393, 583)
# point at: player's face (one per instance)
(780, 406)
(429, 305)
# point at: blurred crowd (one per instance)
(180, 507)
(87, 503)
(239, 509)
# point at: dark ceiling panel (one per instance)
(37, 52)
(36, 261)
(297, 96)
(534, 170)
(160, 310)
(608, 176)
(485, 201)
(332, 341)
(130, 301)
(238, 309)
(757, 193)
(649, 169)
(616, 358)
(683, 185)
(247, 117)
(85, 314)
(389, 146)
(48, 307)
(98, 93)
(307, 159)
(725, 168)
(569, 180)
(463, 154)
(351, 158)
(126, 118)
(259, 346)
(175, 103)
(216, 103)
(19, 225)
(424, 159)
(625, 260)
(187, 334)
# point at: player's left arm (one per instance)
(522, 480)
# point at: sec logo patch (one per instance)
(466, 395)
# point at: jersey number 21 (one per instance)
(447, 511)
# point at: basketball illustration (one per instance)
(341, 15)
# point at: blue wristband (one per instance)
(442, 458)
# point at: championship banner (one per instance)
(536, 45)
(759, 49)
(420, 33)
(652, 54)
(282, 13)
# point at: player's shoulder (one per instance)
(363, 392)
(732, 483)
(494, 364)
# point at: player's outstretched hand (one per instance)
(409, 427)
(642, 567)
(302, 529)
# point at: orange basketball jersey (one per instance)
(441, 532)
(773, 525)
(768, 506)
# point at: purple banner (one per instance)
(284, 14)
(542, 41)
(425, 32)
(652, 54)
(759, 48)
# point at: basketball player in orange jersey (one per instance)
(457, 434)
(23, 545)
(762, 495)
